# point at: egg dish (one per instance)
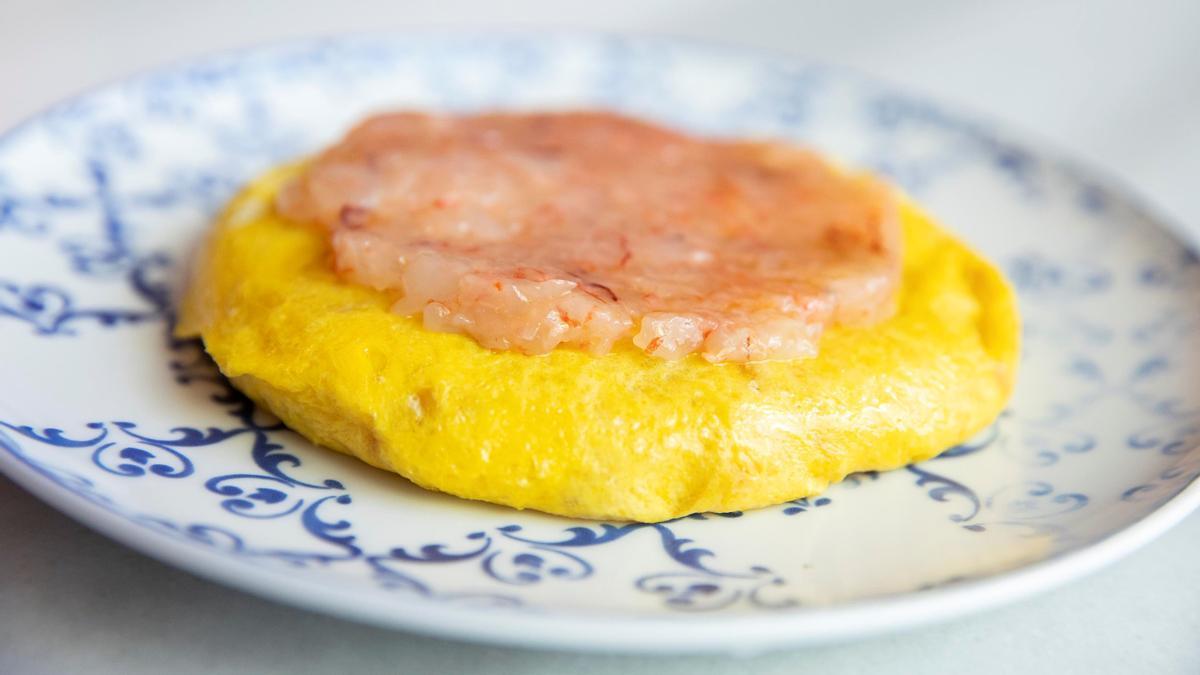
(614, 390)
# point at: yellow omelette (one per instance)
(622, 436)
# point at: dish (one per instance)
(1095, 456)
(626, 435)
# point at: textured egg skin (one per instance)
(624, 436)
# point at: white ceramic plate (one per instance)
(104, 416)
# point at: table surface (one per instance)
(1113, 83)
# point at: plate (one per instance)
(103, 415)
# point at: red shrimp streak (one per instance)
(534, 231)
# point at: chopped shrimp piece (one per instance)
(534, 231)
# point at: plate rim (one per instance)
(619, 631)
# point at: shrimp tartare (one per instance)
(531, 231)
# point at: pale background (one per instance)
(1114, 83)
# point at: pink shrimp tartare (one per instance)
(583, 229)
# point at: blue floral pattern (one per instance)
(1111, 332)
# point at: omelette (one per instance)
(596, 317)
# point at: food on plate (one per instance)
(594, 316)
